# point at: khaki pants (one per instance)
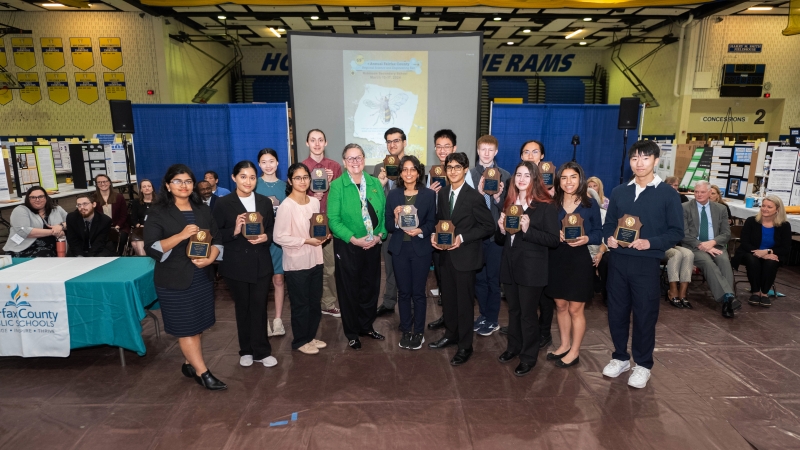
(328, 281)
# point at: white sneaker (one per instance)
(269, 361)
(246, 360)
(616, 367)
(277, 328)
(269, 330)
(639, 377)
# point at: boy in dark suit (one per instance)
(473, 222)
(87, 232)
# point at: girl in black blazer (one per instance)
(247, 263)
(766, 241)
(523, 270)
(411, 252)
(184, 286)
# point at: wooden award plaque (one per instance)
(199, 245)
(548, 172)
(491, 181)
(627, 231)
(409, 219)
(390, 164)
(319, 226)
(445, 234)
(572, 226)
(319, 180)
(437, 174)
(253, 226)
(513, 216)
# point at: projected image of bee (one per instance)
(386, 107)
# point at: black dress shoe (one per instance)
(462, 356)
(686, 303)
(676, 302)
(506, 357)
(442, 343)
(504, 330)
(553, 357)
(755, 300)
(522, 369)
(382, 310)
(765, 301)
(355, 344)
(545, 341)
(211, 382)
(436, 324)
(564, 365)
(188, 371)
(727, 309)
(373, 334)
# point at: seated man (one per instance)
(706, 234)
(204, 189)
(87, 232)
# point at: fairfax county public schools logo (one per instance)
(15, 301)
(18, 312)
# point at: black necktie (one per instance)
(87, 241)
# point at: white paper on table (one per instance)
(784, 159)
(720, 167)
(737, 171)
(722, 151)
(746, 173)
(743, 187)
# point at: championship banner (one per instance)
(81, 49)
(86, 87)
(33, 319)
(52, 53)
(3, 58)
(30, 92)
(111, 53)
(22, 48)
(57, 87)
(115, 86)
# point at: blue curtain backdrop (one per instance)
(600, 152)
(207, 137)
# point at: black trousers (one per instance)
(523, 323)
(358, 283)
(305, 293)
(436, 271)
(250, 300)
(458, 301)
(411, 272)
(761, 273)
(547, 308)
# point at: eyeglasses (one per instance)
(83, 204)
(394, 142)
(181, 182)
(354, 159)
(103, 182)
(531, 152)
(36, 197)
(456, 168)
(444, 147)
(301, 179)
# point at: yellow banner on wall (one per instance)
(30, 92)
(57, 87)
(115, 86)
(5, 92)
(3, 58)
(86, 87)
(111, 53)
(22, 48)
(52, 53)
(81, 49)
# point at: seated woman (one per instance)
(675, 183)
(112, 204)
(716, 196)
(139, 209)
(595, 184)
(35, 226)
(766, 243)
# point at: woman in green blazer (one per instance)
(356, 218)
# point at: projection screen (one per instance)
(356, 87)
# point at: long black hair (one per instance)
(418, 166)
(583, 189)
(48, 202)
(165, 197)
(290, 173)
(243, 165)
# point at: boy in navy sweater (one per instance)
(633, 272)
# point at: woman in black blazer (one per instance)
(247, 263)
(523, 270)
(184, 286)
(411, 252)
(766, 241)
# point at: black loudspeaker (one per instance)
(121, 116)
(628, 113)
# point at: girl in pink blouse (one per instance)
(302, 258)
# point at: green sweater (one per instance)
(344, 208)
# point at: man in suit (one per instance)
(87, 232)
(706, 234)
(472, 223)
(204, 189)
(396, 145)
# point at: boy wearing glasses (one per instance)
(473, 223)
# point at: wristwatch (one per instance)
(769, 250)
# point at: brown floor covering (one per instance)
(717, 383)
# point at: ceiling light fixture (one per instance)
(281, 30)
(52, 5)
(406, 17)
(497, 18)
(574, 33)
(221, 17)
(760, 8)
(275, 32)
(314, 17)
(587, 19)
(526, 30)
(510, 42)
(583, 42)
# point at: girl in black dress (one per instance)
(139, 209)
(184, 286)
(571, 267)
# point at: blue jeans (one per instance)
(487, 281)
(411, 273)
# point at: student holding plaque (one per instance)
(185, 286)
(410, 220)
(247, 264)
(270, 186)
(524, 268)
(356, 219)
(466, 209)
(633, 271)
(302, 259)
(571, 273)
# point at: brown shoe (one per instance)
(318, 344)
(309, 349)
